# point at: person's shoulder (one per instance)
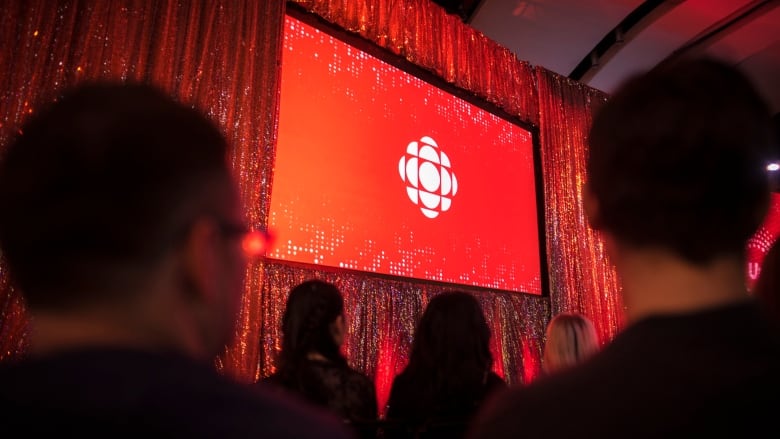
(402, 379)
(358, 376)
(272, 413)
(173, 396)
(495, 417)
(404, 395)
(357, 382)
(529, 410)
(495, 381)
(511, 411)
(271, 381)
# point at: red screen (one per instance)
(378, 170)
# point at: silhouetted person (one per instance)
(677, 184)
(311, 365)
(449, 372)
(121, 225)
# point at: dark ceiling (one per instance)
(602, 42)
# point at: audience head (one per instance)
(570, 339)
(677, 161)
(313, 323)
(118, 206)
(452, 342)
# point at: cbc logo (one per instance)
(430, 183)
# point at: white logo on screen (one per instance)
(430, 182)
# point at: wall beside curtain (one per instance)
(223, 57)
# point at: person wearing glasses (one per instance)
(121, 227)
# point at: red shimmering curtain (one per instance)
(222, 56)
(423, 33)
(580, 278)
(217, 55)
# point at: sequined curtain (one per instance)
(580, 275)
(219, 55)
(222, 56)
(423, 33)
(13, 322)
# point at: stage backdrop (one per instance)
(223, 56)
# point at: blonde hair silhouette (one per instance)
(571, 338)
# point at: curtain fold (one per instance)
(580, 275)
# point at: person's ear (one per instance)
(199, 260)
(591, 206)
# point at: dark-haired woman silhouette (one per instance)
(311, 364)
(449, 372)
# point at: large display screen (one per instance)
(379, 170)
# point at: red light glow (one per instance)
(256, 243)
